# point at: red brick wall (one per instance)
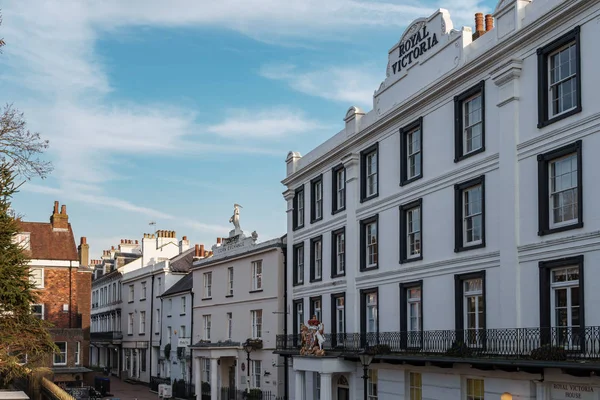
(54, 295)
(83, 299)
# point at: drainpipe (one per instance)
(192, 381)
(151, 322)
(286, 372)
(70, 293)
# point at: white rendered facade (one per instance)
(448, 222)
(238, 295)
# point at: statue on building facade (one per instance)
(313, 337)
(235, 218)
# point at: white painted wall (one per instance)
(512, 142)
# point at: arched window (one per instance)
(342, 381)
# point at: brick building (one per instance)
(59, 269)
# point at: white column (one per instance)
(198, 378)
(300, 386)
(326, 389)
(214, 385)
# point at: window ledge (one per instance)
(471, 154)
(130, 301)
(298, 227)
(409, 260)
(229, 296)
(130, 334)
(181, 315)
(316, 280)
(206, 298)
(144, 299)
(559, 117)
(312, 221)
(563, 228)
(298, 284)
(168, 315)
(339, 210)
(255, 291)
(342, 274)
(371, 268)
(411, 180)
(467, 248)
(157, 333)
(371, 197)
(142, 334)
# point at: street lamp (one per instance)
(365, 360)
(506, 396)
(248, 348)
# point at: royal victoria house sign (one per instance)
(423, 40)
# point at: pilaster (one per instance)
(214, 378)
(300, 386)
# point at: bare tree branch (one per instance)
(21, 148)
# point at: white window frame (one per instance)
(60, 354)
(317, 248)
(415, 385)
(159, 285)
(143, 297)
(230, 281)
(470, 384)
(317, 308)
(169, 307)
(77, 353)
(371, 186)
(206, 326)
(371, 252)
(157, 328)
(183, 305)
(371, 310)
(468, 126)
(340, 249)
(207, 285)
(300, 263)
(257, 275)
(300, 210)
(206, 369)
(574, 189)
(255, 373)
(142, 322)
(413, 232)
(35, 280)
(130, 324)
(41, 314)
(299, 313)
(413, 153)
(318, 188)
(169, 334)
(572, 78)
(340, 179)
(571, 340)
(467, 216)
(182, 332)
(473, 289)
(413, 314)
(229, 325)
(372, 384)
(131, 293)
(340, 314)
(256, 318)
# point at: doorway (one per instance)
(343, 393)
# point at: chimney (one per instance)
(479, 31)
(489, 22)
(198, 251)
(218, 240)
(84, 252)
(59, 221)
(184, 244)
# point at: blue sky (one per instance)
(174, 111)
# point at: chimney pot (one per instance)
(136, 242)
(83, 240)
(218, 240)
(56, 207)
(184, 238)
(63, 209)
(201, 251)
(489, 22)
(478, 22)
(112, 247)
(196, 250)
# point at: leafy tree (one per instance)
(24, 339)
(21, 333)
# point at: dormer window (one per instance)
(23, 240)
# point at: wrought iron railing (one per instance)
(232, 393)
(157, 380)
(547, 344)
(115, 335)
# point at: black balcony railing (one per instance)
(106, 336)
(541, 344)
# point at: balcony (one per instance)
(106, 336)
(509, 349)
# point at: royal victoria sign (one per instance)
(422, 39)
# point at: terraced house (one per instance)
(448, 239)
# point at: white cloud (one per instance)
(273, 123)
(352, 85)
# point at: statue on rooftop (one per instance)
(235, 218)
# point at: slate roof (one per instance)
(182, 262)
(183, 285)
(49, 244)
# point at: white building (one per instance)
(141, 291)
(238, 297)
(452, 225)
(126, 289)
(176, 328)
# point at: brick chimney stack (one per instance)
(59, 221)
(479, 30)
(84, 252)
(489, 22)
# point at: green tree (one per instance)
(24, 339)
